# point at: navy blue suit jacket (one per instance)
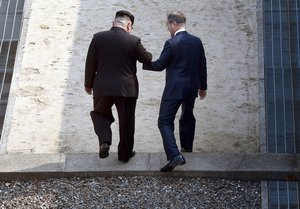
(183, 57)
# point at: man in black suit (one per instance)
(184, 59)
(110, 74)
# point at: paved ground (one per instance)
(222, 165)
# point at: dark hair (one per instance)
(123, 13)
(177, 17)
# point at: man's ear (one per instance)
(128, 27)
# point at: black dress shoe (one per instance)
(186, 150)
(130, 156)
(178, 160)
(103, 151)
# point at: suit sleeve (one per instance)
(202, 70)
(142, 54)
(90, 66)
(163, 61)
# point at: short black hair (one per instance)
(123, 13)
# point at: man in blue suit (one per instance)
(183, 57)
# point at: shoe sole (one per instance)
(104, 155)
(104, 151)
(185, 150)
(182, 163)
(178, 163)
(131, 155)
(174, 166)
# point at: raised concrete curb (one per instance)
(220, 165)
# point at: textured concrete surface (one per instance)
(222, 165)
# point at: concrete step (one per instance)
(252, 166)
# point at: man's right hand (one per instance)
(89, 90)
(147, 66)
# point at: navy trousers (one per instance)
(102, 118)
(187, 123)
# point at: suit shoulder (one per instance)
(100, 33)
(197, 38)
(134, 38)
(193, 36)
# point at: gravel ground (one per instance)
(130, 192)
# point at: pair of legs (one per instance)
(187, 122)
(102, 118)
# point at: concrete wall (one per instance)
(48, 110)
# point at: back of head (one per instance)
(123, 14)
(177, 17)
(121, 21)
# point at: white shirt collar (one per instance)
(180, 30)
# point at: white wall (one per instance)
(49, 110)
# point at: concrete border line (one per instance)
(254, 166)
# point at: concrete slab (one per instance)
(217, 165)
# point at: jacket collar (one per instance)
(118, 29)
(180, 30)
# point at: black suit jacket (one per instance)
(184, 59)
(111, 63)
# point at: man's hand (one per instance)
(89, 90)
(202, 94)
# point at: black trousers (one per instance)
(102, 118)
